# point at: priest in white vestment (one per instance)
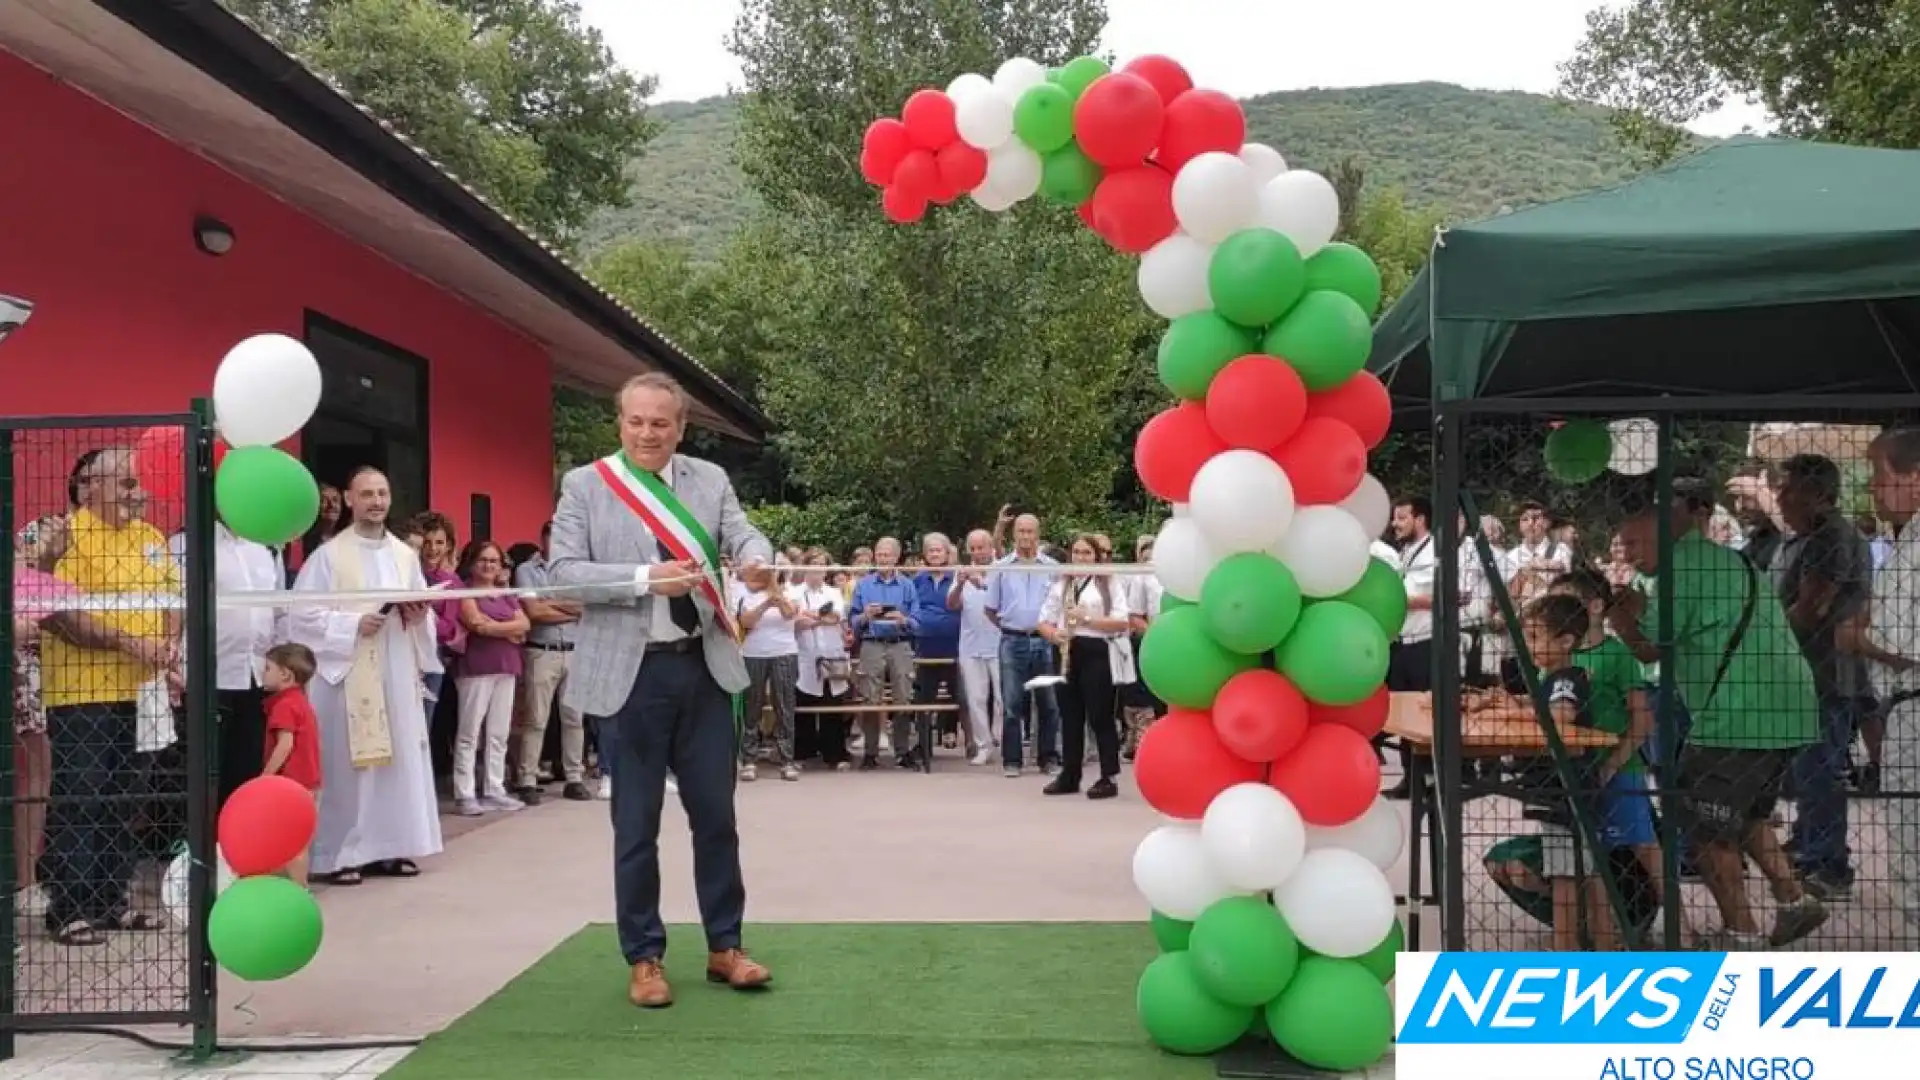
(378, 809)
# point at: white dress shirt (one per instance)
(662, 626)
(242, 635)
(1416, 565)
(1119, 646)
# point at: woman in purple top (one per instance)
(485, 677)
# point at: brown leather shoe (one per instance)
(738, 970)
(648, 987)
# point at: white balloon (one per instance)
(1254, 836)
(1171, 870)
(1242, 501)
(965, 86)
(1214, 196)
(991, 198)
(1370, 505)
(1173, 276)
(1182, 558)
(1636, 446)
(1377, 835)
(1181, 510)
(984, 117)
(1337, 903)
(1302, 206)
(1017, 76)
(1327, 549)
(265, 390)
(174, 886)
(1264, 160)
(1013, 170)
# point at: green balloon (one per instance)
(1578, 451)
(1326, 337)
(1258, 1029)
(1382, 594)
(1068, 177)
(1195, 348)
(1169, 932)
(1380, 959)
(1243, 951)
(1178, 1013)
(1336, 655)
(1334, 1015)
(1168, 602)
(1255, 276)
(1043, 118)
(1184, 666)
(265, 495)
(1250, 601)
(263, 928)
(1345, 269)
(1053, 75)
(1079, 73)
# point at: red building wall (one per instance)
(96, 228)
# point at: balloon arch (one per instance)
(1268, 884)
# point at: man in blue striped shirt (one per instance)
(1013, 604)
(884, 625)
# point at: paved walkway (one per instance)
(405, 958)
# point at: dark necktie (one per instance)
(685, 615)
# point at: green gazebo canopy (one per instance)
(1755, 267)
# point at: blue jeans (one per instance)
(1819, 792)
(1024, 657)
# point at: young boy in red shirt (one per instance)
(293, 744)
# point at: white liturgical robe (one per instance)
(380, 812)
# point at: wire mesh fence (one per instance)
(108, 830)
(1679, 714)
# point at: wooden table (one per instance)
(1488, 734)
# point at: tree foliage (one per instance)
(1846, 71)
(518, 98)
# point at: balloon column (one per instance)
(266, 389)
(263, 926)
(1268, 884)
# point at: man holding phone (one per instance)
(883, 624)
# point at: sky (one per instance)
(1243, 47)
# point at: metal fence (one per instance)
(1726, 777)
(108, 772)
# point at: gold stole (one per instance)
(369, 733)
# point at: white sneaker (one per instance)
(748, 774)
(982, 756)
(789, 772)
(606, 789)
(673, 786)
(503, 802)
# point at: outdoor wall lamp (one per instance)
(212, 235)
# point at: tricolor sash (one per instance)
(669, 520)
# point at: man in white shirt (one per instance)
(979, 647)
(1538, 558)
(1410, 664)
(242, 636)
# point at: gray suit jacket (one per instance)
(598, 540)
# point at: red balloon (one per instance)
(1332, 777)
(159, 457)
(267, 821)
(1133, 208)
(1361, 403)
(928, 116)
(901, 206)
(1085, 210)
(918, 176)
(962, 168)
(1260, 715)
(886, 142)
(1256, 402)
(1196, 122)
(220, 449)
(1165, 75)
(1117, 120)
(1324, 459)
(1368, 717)
(1171, 447)
(1181, 765)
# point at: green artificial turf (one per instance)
(892, 1001)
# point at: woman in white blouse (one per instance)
(825, 676)
(1088, 615)
(770, 617)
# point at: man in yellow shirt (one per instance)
(92, 667)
